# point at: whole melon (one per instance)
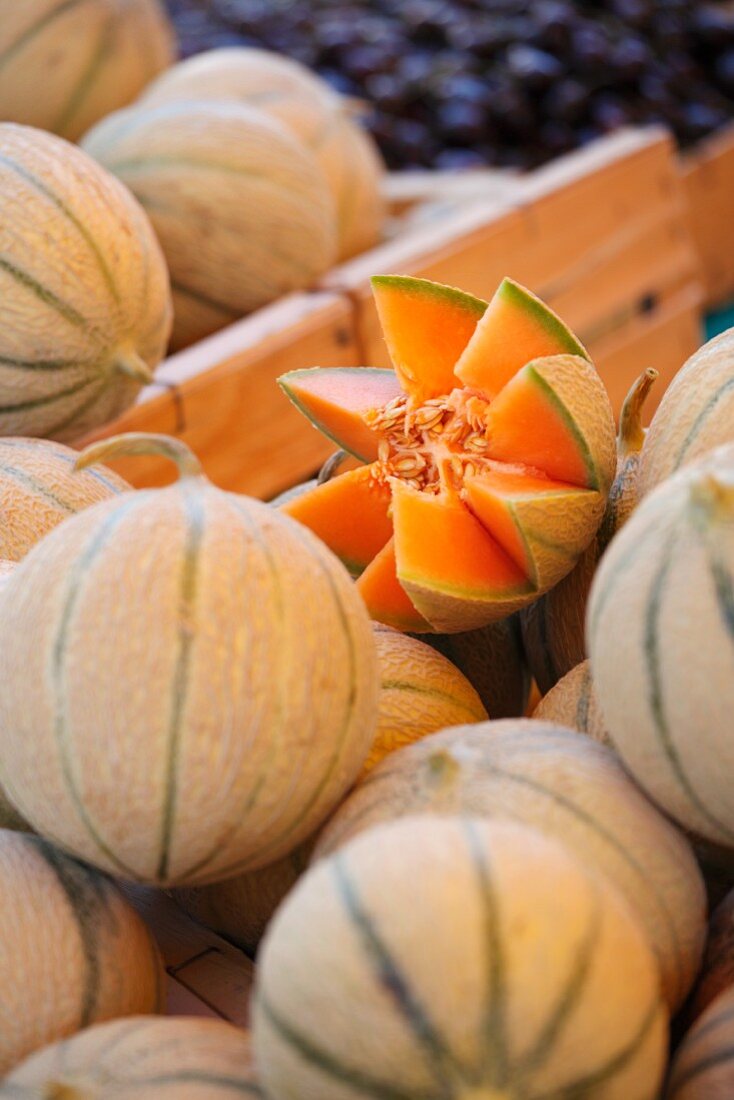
(703, 1067)
(171, 1058)
(241, 908)
(63, 64)
(695, 414)
(493, 660)
(567, 786)
(553, 626)
(454, 957)
(74, 951)
(189, 680)
(573, 703)
(308, 107)
(84, 287)
(240, 206)
(39, 488)
(9, 816)
(660, 631)
(420, 692)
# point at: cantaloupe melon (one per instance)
(660, 632)
(493, 661)
(176, 1058)
(454, 957)
(695, 414)
(86, 299)
(241, 908)
(74, 951)
(420, 692)
(39, 488)
(553, 626)
(568, 787)
(307, 106)
(240, 206)
(703, 1067)
(66, 63)
(9, 816)
(573, 703)
(189, 680)
(717, 972)
(491, 496)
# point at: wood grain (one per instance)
(708, 175)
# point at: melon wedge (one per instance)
(453, 570)
(426, 327)
(475, 501)
(542, 525)
(348, 513)
(554, 415)
(515, 328)
(386, 599)
(335, 400)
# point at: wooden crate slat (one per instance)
(708, 175)
(180, 1001)
(247, 434)
(663, 339)
(224, 988)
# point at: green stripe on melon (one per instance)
(352, 941)
(567, 786)
(672, 564)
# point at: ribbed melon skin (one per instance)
(74, 952)
(695, 415)
(660, 636)
(420, 692)
(703, 1067)
(240, 206)
(94, 56)
(203, 682)
(9, 816)
(309, 109)
(570, 788)
(39, 488)
(453, 957)
(493, 661)
(717, 972)
(84, 289)
(573, 703)
(174, 1058)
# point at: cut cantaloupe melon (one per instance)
(526, 514)
(515, 328)
(385, 597)
(426, 327)
(492, 497)
(350, 513)
(335, 400)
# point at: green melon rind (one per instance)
(425, 288)
(529, 303)
(285, 384)
(552, 397)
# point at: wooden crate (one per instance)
(601, 234)
(708, 175)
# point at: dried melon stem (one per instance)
(431, 445)
(142, 443)
(631, 432)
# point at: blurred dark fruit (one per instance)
(460, 83)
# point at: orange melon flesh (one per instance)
(440, 544)
(529, 425)
(386, 600)
(348, 513)
(426, 328)
(335, 400)
(516, 328)
(542, 525)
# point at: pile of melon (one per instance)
(199, 192)
(306, 720)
